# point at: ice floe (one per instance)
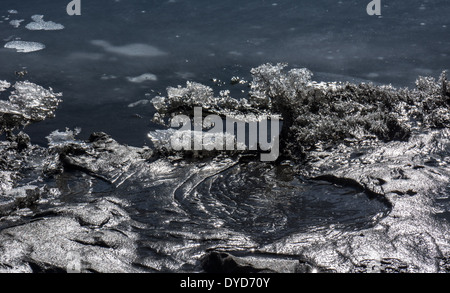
(39, 24)
(132, 50)
(25, 47)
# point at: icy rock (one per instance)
(180, 99)
(320, 112)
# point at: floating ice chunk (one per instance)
(39, 24)
(142, 78)
(13, 11)
(16, 22)
(132, 50)
(4, 85)
(25, 47)
(177, 140)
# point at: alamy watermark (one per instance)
(209, 134)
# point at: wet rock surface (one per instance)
(358, 202)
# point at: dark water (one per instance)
(199, 40)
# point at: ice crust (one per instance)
(25, 46)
